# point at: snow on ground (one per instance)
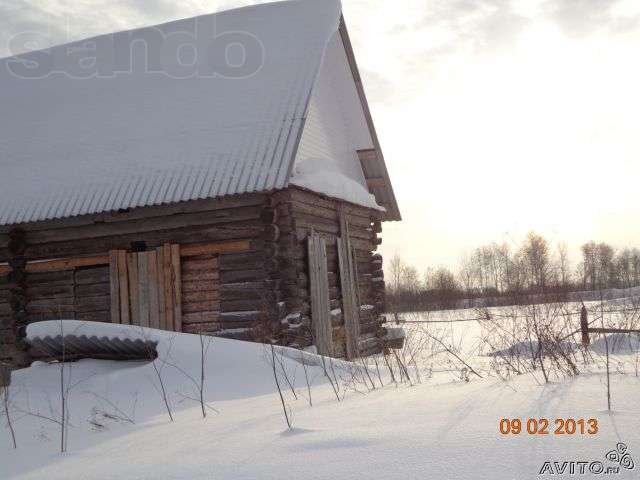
(442, 428)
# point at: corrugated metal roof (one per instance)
(71, 146)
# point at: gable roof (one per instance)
(137, 134)
(372, 160)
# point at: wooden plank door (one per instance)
(146, 288)
(319, 292)
(350, 308)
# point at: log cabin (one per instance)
(245, 204)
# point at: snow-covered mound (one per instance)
(529, 349)
(619, 343)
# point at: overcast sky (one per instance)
(495, 116)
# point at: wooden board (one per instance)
(349, 286)
(144, 279)
(349, 304)
(319, 293)
(215, 247)
(67, 263)
(168, 290)
(71, 263)
(143, 289)
(162, 316)
(152, 266)
(176, 283)
(132, 270)
(114, 282)
(123, 279)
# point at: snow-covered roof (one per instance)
(197, 108)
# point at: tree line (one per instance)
(536, 266)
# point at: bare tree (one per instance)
(63, 397)
(451, 352)
(598, 266)
(410, 280)
(306, 377)
(589, 265)
(5, 375)
(466, 273)
(199, 383)
(275, 377)
(535, 251)
(606, 344)
(112, 411)
(204, 349)
(396, 273)
(563, 264)
(158, 373)
(285, 374)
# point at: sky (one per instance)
(496, 117)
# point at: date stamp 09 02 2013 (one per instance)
(544, 426)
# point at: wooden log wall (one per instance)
(260, 291)
(202, 221)
(7, 334)
(14, 347)
(69, 294)
(224, 292)
(200, 294)
(300, 212)
(250, 285)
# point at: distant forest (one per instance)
(507, 276)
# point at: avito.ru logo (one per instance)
(620, 456)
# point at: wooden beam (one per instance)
(348, 282)
(368, 155)
(376, 182)
(613, 330)
(152, 266)
(67, 263)
(191, 206)
(143, 289)
(123, 280)
(114, 282)
(319, 293)
(161, 288)
(232, 246)
(168, 290)
(146, 225)
(177, 287)
(61, 264)
(132, 268)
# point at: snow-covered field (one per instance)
(442, 428)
